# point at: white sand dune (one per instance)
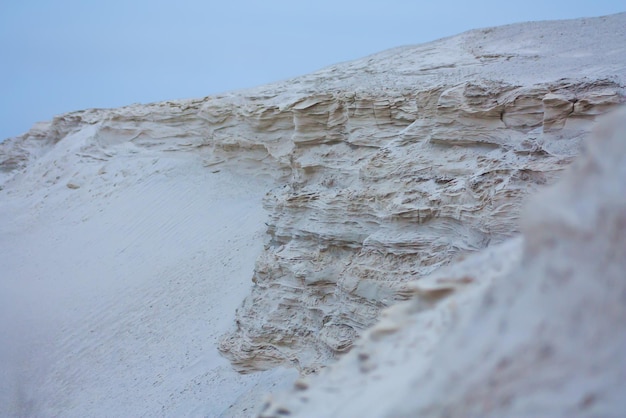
(130, 238)
(113, 298)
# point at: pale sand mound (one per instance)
(128, 236)
(117, 286)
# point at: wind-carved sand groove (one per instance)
(381, 170)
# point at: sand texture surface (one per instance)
(184, 258)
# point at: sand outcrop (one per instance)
(387, 184)
(376, 172)
(531, 327)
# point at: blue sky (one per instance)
(64, 55)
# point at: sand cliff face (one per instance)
(383, 169)
(385, 190)
(530, 327)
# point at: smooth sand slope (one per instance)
(114, 293)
